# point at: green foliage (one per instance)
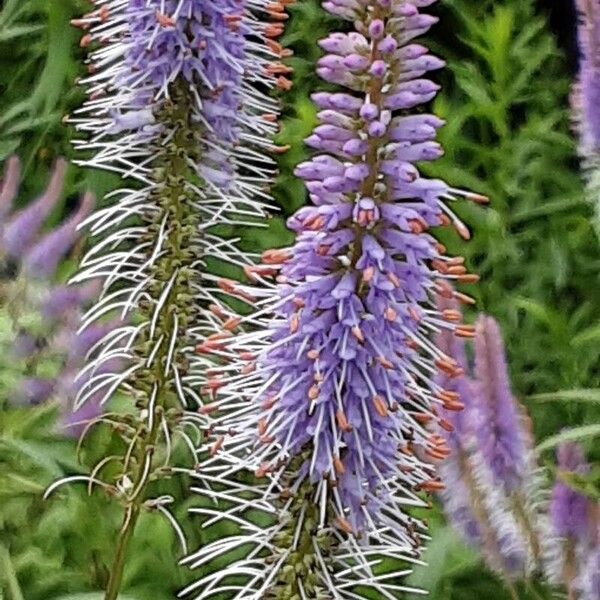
(505, 101)
(49, 549)
(40, 61)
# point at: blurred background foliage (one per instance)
(505, 99)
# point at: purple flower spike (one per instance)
(45, 313)
(22, 229)
(472, 501)
(572, 523)
(180, 101)
(586, 99)
(501, 428)
(570, 510)
(32, 391)
(43, 259)
(61, 300)
(342, 382)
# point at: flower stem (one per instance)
(171, 313)
(116, 573)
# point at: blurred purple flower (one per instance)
(22, 228)
(501, 427)
(35, 296)
(473, 502)
(589, 580)
(588, 86)
(570, 510)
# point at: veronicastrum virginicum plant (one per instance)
(335, 398)
(179, 106)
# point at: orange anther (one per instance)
(457, 270)
(283, 84)
(390, 314)
(294, 323)
(342, 421)
(432, 485)
(278, 69)
(248, 368)
(269, 403)
(385, 363)
(415, 316)
(232, 323)
(344, 525)
(164, 20)
(446, 425)
(468, 278)
(368, 274)
(262, 470)
(338, 465)
(358, 334)
(451, 315)
(380, 406)
(275, 257)
(217, 446)
(280, 149)
(464, 298)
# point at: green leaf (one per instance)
(590, 335)
(582, 395)
(570, 435)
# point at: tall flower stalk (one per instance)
(474, 503)
(332, 401)
(179, 106)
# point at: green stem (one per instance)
(511, 590)
(531, 589)
(118, 567)
(172, 171)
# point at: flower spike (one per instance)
(472, 501)
(332, 400)
(177, 93)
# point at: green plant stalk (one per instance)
(174, 171)
(118, 568)
(301, 562)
